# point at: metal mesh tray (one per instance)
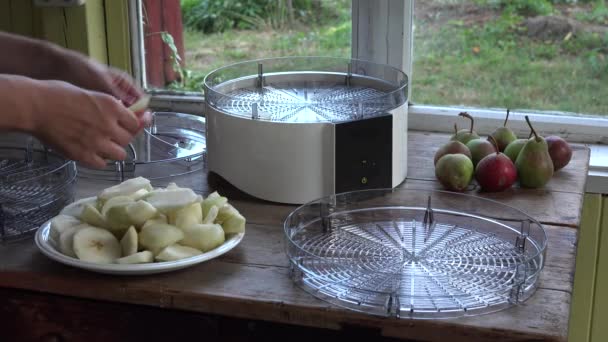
(415, 253)
(306, 89)
(173, 145)
(35, 184)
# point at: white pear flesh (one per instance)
(203, 236)
(92, 216)
(177, 252)
(142, 257)
(157, 236)
(126, 188)
(96, 245)
(128, 242)
(188, 216)
(140, 212)
(166, 201)
(60, 223)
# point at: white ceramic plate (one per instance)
(48, 247)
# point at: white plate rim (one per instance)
(43, 243)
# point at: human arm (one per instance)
(86, 126)
(43, 60)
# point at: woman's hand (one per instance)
(83, 125)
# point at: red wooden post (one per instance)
(161, 16)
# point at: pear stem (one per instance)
(468, 116)
(494, 143)
(506, 119)
(536, 137)
(455, 128)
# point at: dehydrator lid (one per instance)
(306, 89)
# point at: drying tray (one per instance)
(35, 184)
(173, 145)
(306, 89)
(415, 253)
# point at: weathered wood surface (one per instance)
(252, 281)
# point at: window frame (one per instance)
(372, 33)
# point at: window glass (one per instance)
(185, 40)
(549, 55)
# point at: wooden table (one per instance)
(247, 294)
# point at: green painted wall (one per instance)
(590, 297)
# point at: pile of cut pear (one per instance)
(497, 162)
(134, 223)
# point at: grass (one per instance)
(475, 58)
(490, 66)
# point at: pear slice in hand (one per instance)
(96, 245)
(60, 223)
(177, 252)
(142, 257)
(157, 236)
(141, 104)
(128, 242)
(203, 236)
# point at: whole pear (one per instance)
(560, 151)
(454, 171)
(464, 135)
(503, 135)
(495, 172)
(513, 149)
(534, 164)
(480, 148)
(453, 147)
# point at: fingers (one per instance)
(127, 119)
(93, 161)
(145, 120)
(124, 87)
(111, 150)
(121, 136)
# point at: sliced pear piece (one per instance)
(203, 236)
(234, 224)
(75, 208)
(66, 240)
(211, 215)
(92, 216)
(142, 257)
(157, 236)
(140, 212)
(169, 200)
(171, 186)
(141, 104)
(177, 252)
(115, 213)
(214, 199)
(96, 245)
(139, 194)
(231, 220)
(60, 223)
(158, 219)
(128, 242)
(189, 215)
(126, 188)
